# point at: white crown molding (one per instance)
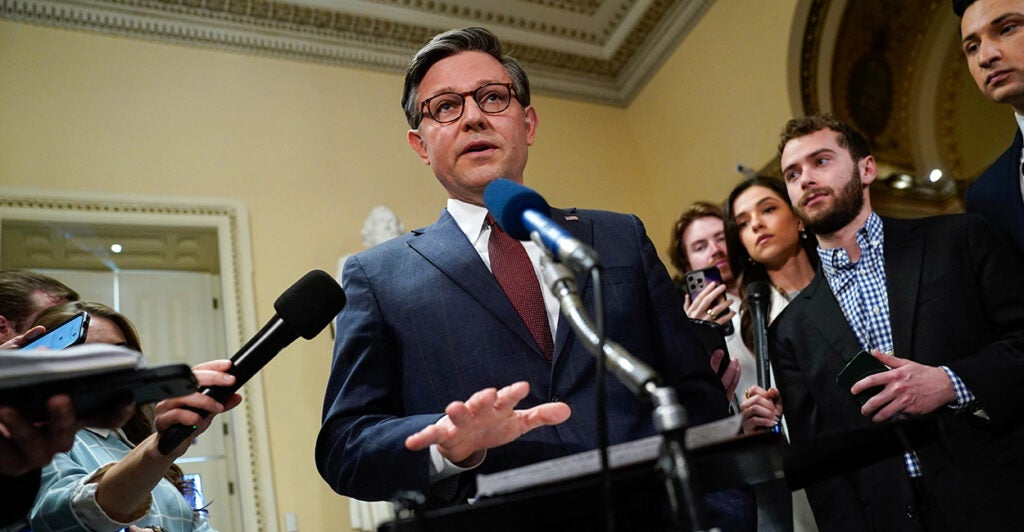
(602, 52)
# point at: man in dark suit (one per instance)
(938, 300)
(435, 375)
(992, 32)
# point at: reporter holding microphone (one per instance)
(115, 479)
(768, 244)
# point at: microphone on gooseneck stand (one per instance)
(303, 310)
(522, 213)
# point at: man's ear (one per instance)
(868, 170)
(418, 145)
(530, 120)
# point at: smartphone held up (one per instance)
(71, 332)
(697, 280)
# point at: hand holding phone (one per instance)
(860, 366)
(697, 281)
(71, 332)
(712, 337)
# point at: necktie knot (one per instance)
(491, 222)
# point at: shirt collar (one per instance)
(869, 239)
(1020, 122)
(103, 433)
(469, 217)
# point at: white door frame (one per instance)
(230, 218)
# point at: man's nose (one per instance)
(989, 53)
(472, 115)
(807, 179)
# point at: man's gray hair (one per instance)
(448, 44)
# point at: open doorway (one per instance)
(180, 270)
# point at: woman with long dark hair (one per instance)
(767, 242)
(115, 479)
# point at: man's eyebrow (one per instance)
(995, 22)
(811, 155)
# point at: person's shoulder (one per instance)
(951, 231)
(997, 175)
(942, 223)
(792, 312)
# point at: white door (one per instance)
(179, 319)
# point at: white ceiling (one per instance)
(593, 50)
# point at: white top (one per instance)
(738, 350)
(1020, 126)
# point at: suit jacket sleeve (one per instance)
(995, 371)
(683, 362)
(360, 450)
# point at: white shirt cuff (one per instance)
(87, 511)
(442, 468)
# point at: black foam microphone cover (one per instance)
(304, 309)
(310, 304)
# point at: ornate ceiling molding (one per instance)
(594, 50)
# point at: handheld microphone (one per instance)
(758, 295)
(303, 310)
(523, 214)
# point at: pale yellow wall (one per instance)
(720, 99)
(310, 149)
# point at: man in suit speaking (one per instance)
(940, 301)
(436, 374)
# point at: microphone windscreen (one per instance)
(310, 304)
(758, 291)
(508, 200)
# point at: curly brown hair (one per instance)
(677, 251)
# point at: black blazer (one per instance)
(996, 195)
(956, 298)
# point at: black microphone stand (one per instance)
(669, 416)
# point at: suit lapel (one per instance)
(445, 246)
(825, 314)
(903, 263)
(581, 229)
(1014, 200)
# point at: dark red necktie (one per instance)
(512, 268)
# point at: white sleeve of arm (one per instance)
(442, 468)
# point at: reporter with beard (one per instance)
(938, 300)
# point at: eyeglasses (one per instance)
(446, 107)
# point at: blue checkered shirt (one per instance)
(860, 288)
(67, 500)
